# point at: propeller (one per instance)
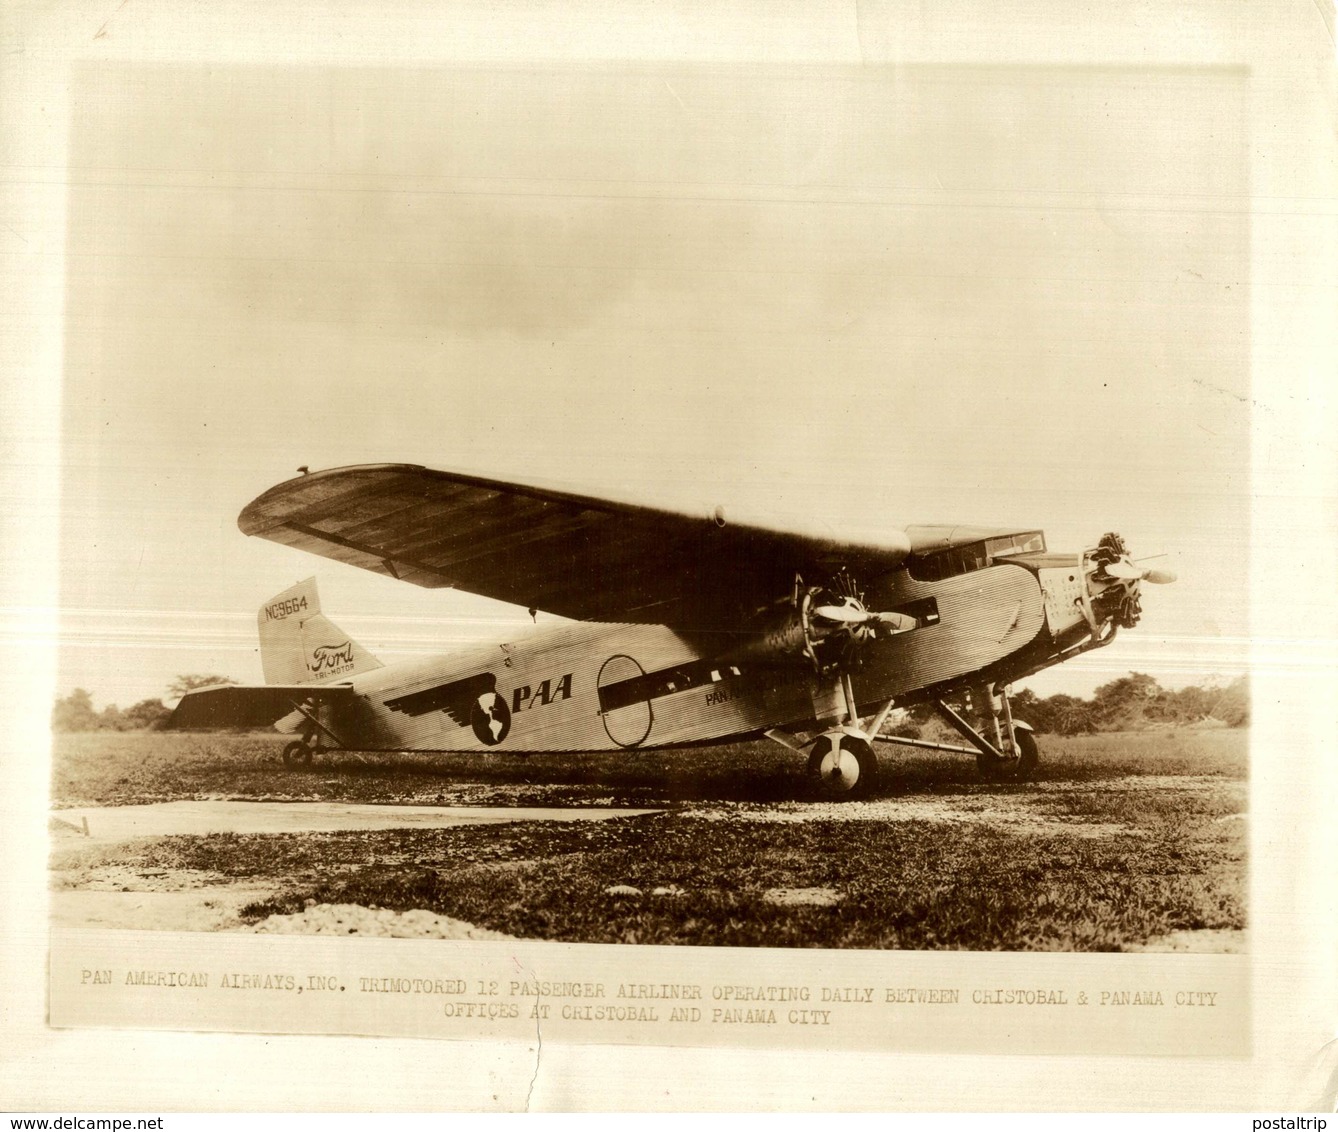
(848, 611)
(1112, 563)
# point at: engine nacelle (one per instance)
(820, 627)
(781, 639)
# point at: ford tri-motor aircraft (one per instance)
(685, 628)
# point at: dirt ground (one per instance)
(1125, 843)
(121, 896)
(104, 825)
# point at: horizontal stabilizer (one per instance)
(250, 706)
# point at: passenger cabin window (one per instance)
(951, 561)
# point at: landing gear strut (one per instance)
(300, 752)
(1007, 750)
(841, 764)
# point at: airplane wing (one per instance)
(242, 705)
(577, 556)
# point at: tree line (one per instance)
(75, 712)
(1130, 703)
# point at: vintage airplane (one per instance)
(686, 628)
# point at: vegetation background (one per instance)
(1131, 703)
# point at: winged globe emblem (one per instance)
(490, 718)
(471, 702)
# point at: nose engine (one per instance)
(1113, 581)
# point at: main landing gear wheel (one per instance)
(297, 753)
(1028, 755)
(1022, 768)
(842, 767)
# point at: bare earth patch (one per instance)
(354, 919)
(1019, 813)
(110, 895)
(214, 909)
(815, 897)
(126, 878)
(187, 900)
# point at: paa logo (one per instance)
(545, 694)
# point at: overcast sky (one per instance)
(1009, 295)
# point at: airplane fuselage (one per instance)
(589, 686)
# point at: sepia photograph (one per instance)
(660, 549)
(874, 438)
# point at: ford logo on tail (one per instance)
(326, 658)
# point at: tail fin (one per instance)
(300, 645)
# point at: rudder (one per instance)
(300, 645)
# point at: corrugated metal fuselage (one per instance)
(590, 686)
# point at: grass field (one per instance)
(125, 768)
(1124, 839)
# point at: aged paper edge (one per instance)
(953, 1002)
(1294, 940)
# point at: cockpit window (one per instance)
(940, 564)
(936, 565)
(1030, 542)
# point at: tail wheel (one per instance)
(842, 767)
(297, 753)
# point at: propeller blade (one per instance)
(1129, 571)
(842, 614)
(1125, 569)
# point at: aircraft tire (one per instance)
(868, 771)
(830, 789)
(1029, 755)
(1020, 769)
(296, 753)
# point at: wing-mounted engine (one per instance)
(820, 625)
(823, 627)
